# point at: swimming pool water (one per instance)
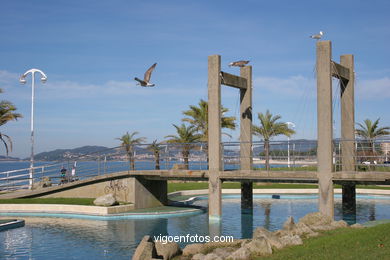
(69, 238)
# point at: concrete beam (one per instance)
(339, 71)
(233, 80)
(214, 135)
(324, 128)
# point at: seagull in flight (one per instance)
(317, 36)
(240, 63)
(148, 74)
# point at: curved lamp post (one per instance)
(292, 125)
(23, 81)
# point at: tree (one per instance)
(128, 143)
(198, 117)
(155, 148)
(269, 128)
(7, 113)
(186, 137)
(370, 131)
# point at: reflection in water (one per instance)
(267, 214)
(59, 238)
(372, 211)
(246, 223)
(44, 238)
(215, 228)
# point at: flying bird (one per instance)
(146, 81)
(317, 36)
(240, 63)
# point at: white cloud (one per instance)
(71, 89)
(298, 85)
(373, 88)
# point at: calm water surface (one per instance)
(60, 238)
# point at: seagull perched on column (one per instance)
(148, 74)
(317, 36)
(240, 63)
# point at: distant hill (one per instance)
(8, 158)
(61, 154)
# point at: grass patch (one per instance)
(345, 243)
(66, 201)
(179, 186)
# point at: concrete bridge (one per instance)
(146, 189)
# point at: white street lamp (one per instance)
(292, 125)
(23, 81)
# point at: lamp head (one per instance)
(22, 80)
(44, 79)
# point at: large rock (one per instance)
(145, 249)
(291, 240)
(339, 224)
(269, 236)
(289, 224)
(259, 246)
(193, 249)
(168, 250)
(224, 252)
(357, 225)
(316, 219)
(213, 256)
(198, 257)
(241, 253)
(105, 200)
(301, 229)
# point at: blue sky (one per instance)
(91, 51)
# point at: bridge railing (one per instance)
(293, 155)
(282, 155)
(369, 154)
(83, 166)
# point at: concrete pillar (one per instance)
(214, 136)
(324, 128)
(349, 203)
(348, 116)
(348, 134)
(246, 157)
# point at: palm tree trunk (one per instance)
(132, 163)
(266, 151)
(157, 160)
(186, 154)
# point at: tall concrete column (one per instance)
(348, 134)
(246, 136)
(214, 136)
(324, 128)
(348, 116)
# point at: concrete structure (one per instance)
(326, 68)
(135, 189)
(216, 77)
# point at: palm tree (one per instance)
(128, 143)
(186, 137)
(7, 113)
(370, 131)
(269, 127)
(155, 148)
(198, 117)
